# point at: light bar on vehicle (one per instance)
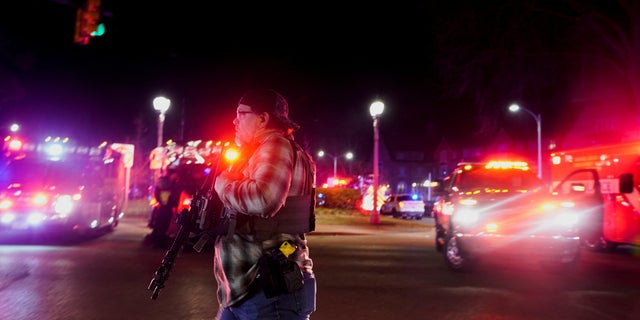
(15, 145)
(192, 152)
(522, 165)
(54, 147)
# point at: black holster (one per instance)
(279, 275)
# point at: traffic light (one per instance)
(88, 22)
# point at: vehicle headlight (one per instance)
(36, 218)
(468, 202)
(567, 219)
(562, 214)
(466, 216)
(7, 218)
(39, 199)
(549, 206)
(63, 206)
(5, 204)
(466, 212)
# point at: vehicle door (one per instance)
(583, 188)
(103, 189)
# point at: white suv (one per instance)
(404, 206)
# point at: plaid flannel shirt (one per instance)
(265, 181)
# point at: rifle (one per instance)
(187, 220)
(195, 220)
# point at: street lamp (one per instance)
(375, 110)
(515, 108)
(161, 104)
(348, 156)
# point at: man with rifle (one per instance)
(262, 263)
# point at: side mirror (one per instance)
(626, 183)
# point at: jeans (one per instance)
(291, 306)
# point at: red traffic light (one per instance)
(88, 22)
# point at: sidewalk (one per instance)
(323, 229)
(425, 225)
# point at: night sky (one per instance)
(444, 69)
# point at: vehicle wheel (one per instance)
(454, 256)
(395, 213)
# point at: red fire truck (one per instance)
(194, 164)
(603, 182)
(53, 185)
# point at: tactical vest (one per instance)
(296, 216)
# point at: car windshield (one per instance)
(409, 198)
(499, 179)
(41, 173)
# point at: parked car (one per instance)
(407, 206)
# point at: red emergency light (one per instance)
(12, 143)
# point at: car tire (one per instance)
(395, 213)
(457, 260)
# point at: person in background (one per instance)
(264, 271)
(167, 195)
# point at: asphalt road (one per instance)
(369, 272)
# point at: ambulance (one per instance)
(603, 183)
(55, 186)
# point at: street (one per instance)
(383, 275)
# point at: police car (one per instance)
(500, 209)
(408, 206)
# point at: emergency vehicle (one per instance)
(500, 209)
(194, 163)
(54, 185)
(603, 182)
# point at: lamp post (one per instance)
(348, 156)
(161, 104)
(375, 110)
(515, 108)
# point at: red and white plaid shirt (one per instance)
(259, 187)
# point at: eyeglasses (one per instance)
(241, 113)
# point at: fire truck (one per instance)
(603, 182)
(194, 163)
(54, 186)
